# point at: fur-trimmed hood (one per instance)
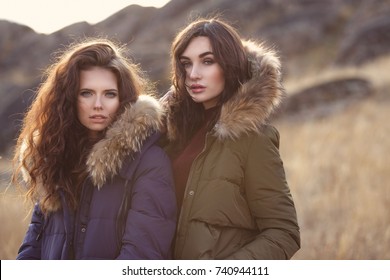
(255, 100)
(124, 137)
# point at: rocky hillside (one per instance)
(310, 35)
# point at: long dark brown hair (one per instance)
(229, 53)
(53, 145)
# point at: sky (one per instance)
(48, 16)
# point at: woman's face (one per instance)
(205, 79)
(98, 99)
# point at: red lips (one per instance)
(196, 88)
(98, 117)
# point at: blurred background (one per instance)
(334, 124)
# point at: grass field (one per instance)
(339, 171)
(337, 168)
(14, 214)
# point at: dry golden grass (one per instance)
(337, 168)
(14, 220)
(14, 214)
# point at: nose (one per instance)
(194, 72)
(98, 103)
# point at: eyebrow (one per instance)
(109, 89)
(201, 55)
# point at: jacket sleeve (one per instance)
(270, 202)
(151, 220)
(31, 245)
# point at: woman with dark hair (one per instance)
(231, 188)
(88, 154)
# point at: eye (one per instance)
(85, 93)
(185, 63)
(111, 94)
(208, 61)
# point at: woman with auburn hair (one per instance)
(231, 188)
(89, 157)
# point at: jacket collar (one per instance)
(125, 137)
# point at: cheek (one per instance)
(219, 81)
(115, 106)
(112, 108)
(81, 109)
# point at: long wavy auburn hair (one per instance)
(229, 53)
(52, 147)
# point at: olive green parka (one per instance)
(237, 203)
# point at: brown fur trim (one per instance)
(249, 109)
(124, 137)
